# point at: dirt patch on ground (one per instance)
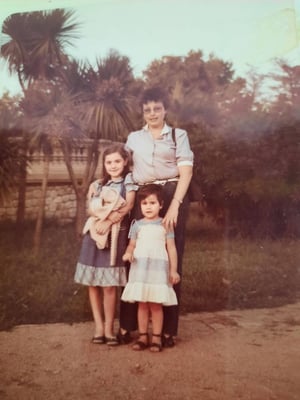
(250, 354)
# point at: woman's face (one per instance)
(154, 114)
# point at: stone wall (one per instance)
(61, 199)
(60, 203)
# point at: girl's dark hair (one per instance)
(155, 94)
(147, 190)
(115, 148)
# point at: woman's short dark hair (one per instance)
(147, 190)
(155, 94)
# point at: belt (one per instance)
(159, 181)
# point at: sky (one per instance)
(248, 33)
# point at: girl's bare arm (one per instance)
(128, 255)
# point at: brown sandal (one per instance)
(112, 341)
(156, 347)
(139, 345)
(98, 340)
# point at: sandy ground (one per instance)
(250, 354)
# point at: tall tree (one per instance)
(195, 86)
(104, 103)
(198, 91)
(34, 43)
(90, 107)
(36, 104)
(35, 49)
(10, 157)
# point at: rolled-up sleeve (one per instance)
(129, 184)
(184, 154)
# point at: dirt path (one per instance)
(253, 355)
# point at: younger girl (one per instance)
(153, 271)
(96, 267)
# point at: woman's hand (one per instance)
(185, 176)
(102, 227)
(114, 217)
(170, 219)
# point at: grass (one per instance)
(41, 289)
(229, 274)
(218, 274)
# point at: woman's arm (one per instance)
(118, 215)
(185, 176)
(172, 254)
(103, 227)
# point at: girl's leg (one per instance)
(143, 317)
(109, 305)
(96, 306)
(157, 324)
(143, 320)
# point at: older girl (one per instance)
(96, 268)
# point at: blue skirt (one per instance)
(93, 267)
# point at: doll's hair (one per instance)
(155, 94)
(149, 189)
(115, 148)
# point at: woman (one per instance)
(158, 159)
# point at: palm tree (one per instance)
(12, 158)
(9, 166)
(103, 111)
(36, 105)
(35, 50)
(91, 104)
(34, 43)
(107, 95)
(15, 31)
(55, 120)
(95, 103)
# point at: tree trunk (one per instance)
(81, 189)
(81, 214)
(41, 208)
(20, 216)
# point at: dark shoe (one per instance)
(112, 341)
(139, 345)
(98, 340)
(124, 338)
(156, 347)
(168, 341)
